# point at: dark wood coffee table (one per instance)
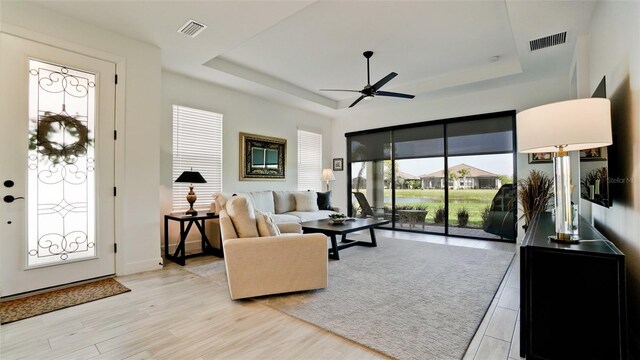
(326, 227)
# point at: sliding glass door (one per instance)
(419, 203)
(480, 162)
(369, 165)
(452, 176)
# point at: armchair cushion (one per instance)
(290, 228)
(227, 231)
(243, 216)
(266, 225)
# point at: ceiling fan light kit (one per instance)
(371, 91)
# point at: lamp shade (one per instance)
(574, 124)
(327, 175)
(190, 177)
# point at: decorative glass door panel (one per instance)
(58, 151)
(61, 165)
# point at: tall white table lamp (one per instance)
(558, 128)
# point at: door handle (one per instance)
(10, 198)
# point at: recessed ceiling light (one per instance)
(494, 58)
(192, 28)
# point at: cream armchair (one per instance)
(267, 265)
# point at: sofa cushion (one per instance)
(285, 218)
(324, 201)
(311, 215)
(263, 201)
(243, 216)
(306, 201)
(266, 225)
(284, 201)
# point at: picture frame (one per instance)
(540, 158)
(262, 157)
(595, 154)
(338, 164)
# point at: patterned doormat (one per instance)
(27, 307)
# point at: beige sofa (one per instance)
(282, 205)
(263, 265)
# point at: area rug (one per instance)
(406, 299)
(27, 307)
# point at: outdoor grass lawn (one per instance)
(474, 200)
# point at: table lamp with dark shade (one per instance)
(558, 128)
(192, 177)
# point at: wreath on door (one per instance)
(43, 140)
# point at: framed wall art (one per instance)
(338, 164)
(539, 158)
(595, 154)
(262, 157)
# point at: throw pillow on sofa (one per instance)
(266, 225)
(306, 201)
(324, 201)
(285, 201)
(242, 216)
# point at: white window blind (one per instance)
(309, 161)
(197, 145)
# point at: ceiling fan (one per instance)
(370, 91)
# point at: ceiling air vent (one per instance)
(547, 41)
(192, 28)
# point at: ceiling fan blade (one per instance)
(383, 81)
(357, 101)
(394, 94)
(340, 90)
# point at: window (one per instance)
(309, 160)
(197, 145)
(442, 175)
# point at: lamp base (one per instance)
(191, 199)
(563, 239)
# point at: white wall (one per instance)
(241, 113)
(614, 52)
(519, 96)
(138, 120)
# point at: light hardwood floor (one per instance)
(174, 314)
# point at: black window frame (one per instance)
(445, 122)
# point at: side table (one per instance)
(180, 256)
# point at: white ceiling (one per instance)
(287, 50)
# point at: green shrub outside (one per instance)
(475, 201)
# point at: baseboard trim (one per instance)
(141, 266)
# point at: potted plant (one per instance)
(337, 218)
(534, 193)
(486, 213)
(463, 217)
(439, 216)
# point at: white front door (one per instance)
(57, 115)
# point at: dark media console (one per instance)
(573, 300)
